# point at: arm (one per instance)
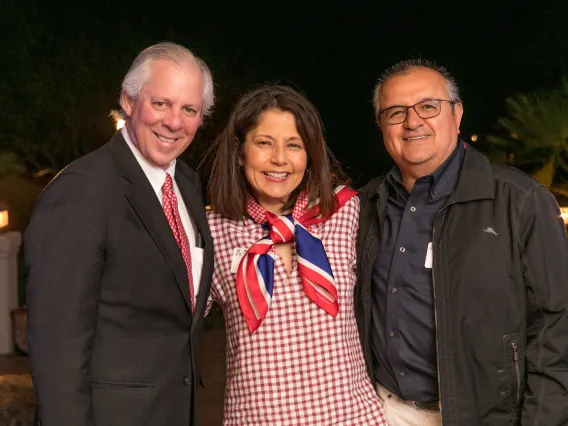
(215, 279)
(64, 248)
(354, 205)
(545, 266)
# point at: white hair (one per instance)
(403, 67)
(139, 71)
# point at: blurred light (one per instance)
(564, 214)
(120, 123)
(514, 135)
(3, 216)
(473, 137)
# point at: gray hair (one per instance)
(403, 67)
(138, 73)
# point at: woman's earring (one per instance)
(306, 172)
(241, 168)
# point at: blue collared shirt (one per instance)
(403, 325)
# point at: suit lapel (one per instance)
(143, 199)
(196, 210)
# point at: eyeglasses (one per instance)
(425, 109)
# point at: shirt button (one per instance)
(402, 249)
(394, 290)
(402, 373)
(392, 334)
(186, 382)
(412, 209)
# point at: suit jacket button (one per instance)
(186, 382)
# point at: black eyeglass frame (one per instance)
(406, 107)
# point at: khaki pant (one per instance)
(404, 413)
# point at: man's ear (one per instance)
(127, 103)
(458, 114)
(378, 121)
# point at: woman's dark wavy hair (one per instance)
(227, 186)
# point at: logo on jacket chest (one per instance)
(491, 231)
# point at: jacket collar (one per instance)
(476, 178)
(143, 199)
(475, 181)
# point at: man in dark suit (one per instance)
(120, 260)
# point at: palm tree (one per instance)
(534, 136)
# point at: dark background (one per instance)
(61, 65)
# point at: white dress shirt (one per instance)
(157, 177)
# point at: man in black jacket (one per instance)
(462, 294)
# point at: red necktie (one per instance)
(170, 205)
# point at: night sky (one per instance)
(333, 52)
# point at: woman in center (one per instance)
(284, 226)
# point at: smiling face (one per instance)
(274, 159)
(164, 119)
(419, 146)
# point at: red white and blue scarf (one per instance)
(255, 274)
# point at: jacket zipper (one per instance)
(434, 291)
(517, 370)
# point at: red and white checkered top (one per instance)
(301, 366)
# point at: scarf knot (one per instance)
(255, 274)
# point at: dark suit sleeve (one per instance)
(65, 252)
(545, 261)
